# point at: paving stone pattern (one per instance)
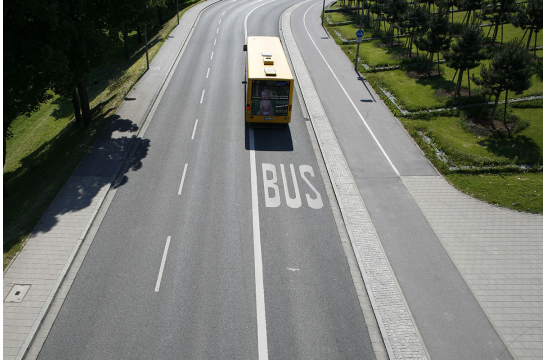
(498, 252)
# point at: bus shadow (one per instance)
(269, 137)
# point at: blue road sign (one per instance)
(359, 33)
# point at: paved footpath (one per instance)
(34, 277)
(498, 252)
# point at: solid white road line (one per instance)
(183, 177)
(246, 20)
(202, 96)
(162, 265)
(194, 128)
(342, 87)
(263, 353)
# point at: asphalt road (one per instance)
(172, 272)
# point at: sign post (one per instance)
(359, 35)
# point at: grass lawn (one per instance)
(47, 146)
(521, 192)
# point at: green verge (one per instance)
(484, 162)
(48, 145)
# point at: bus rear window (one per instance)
(270, 98)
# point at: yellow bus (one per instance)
(269, 81)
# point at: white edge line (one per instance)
(194, 128)
(258, 261)
(162, 265)
(183, 177)
(348, 97)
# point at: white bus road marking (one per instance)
(202, 96)
(223, 13)
(212, 56)
(183, 177)
(162, 265)
(194, 128)
(208, 72)
(219, 22)
(272, 190)
(263, 353)
(215, 41)
(217, 31)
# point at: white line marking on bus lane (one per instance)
(258, 261)
(183, 177)
(202, 96)
(215, 41)
(217, 31)
(162, 265)
(342, 87)
(194, 128)
(208, 72)
(219, 22)
(223, 13)
(212, 56)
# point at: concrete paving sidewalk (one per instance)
(498, 252)
(34, 277)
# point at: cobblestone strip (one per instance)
(398, 330)
(498, 252)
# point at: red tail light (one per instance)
(248, 107)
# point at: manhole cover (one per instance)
(17, 293)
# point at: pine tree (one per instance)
(510, 70)
(498, 12)
(466, 53)
(529, 17)
(437, 36)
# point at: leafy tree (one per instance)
(34, 48)
(498, 12)
(92, 36)
(466, 53)
(510, 70)
(529, 17)
(437, 36)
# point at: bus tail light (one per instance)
(247, 106)
(290, 107)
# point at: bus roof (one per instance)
(259, 48)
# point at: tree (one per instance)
(437, 36)
(34, 48)
(529, 17)
(466, 53)
(498, 12)
(92, 36)
(510, 70)
(413, 22)
(469, 6)
(394, 9)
